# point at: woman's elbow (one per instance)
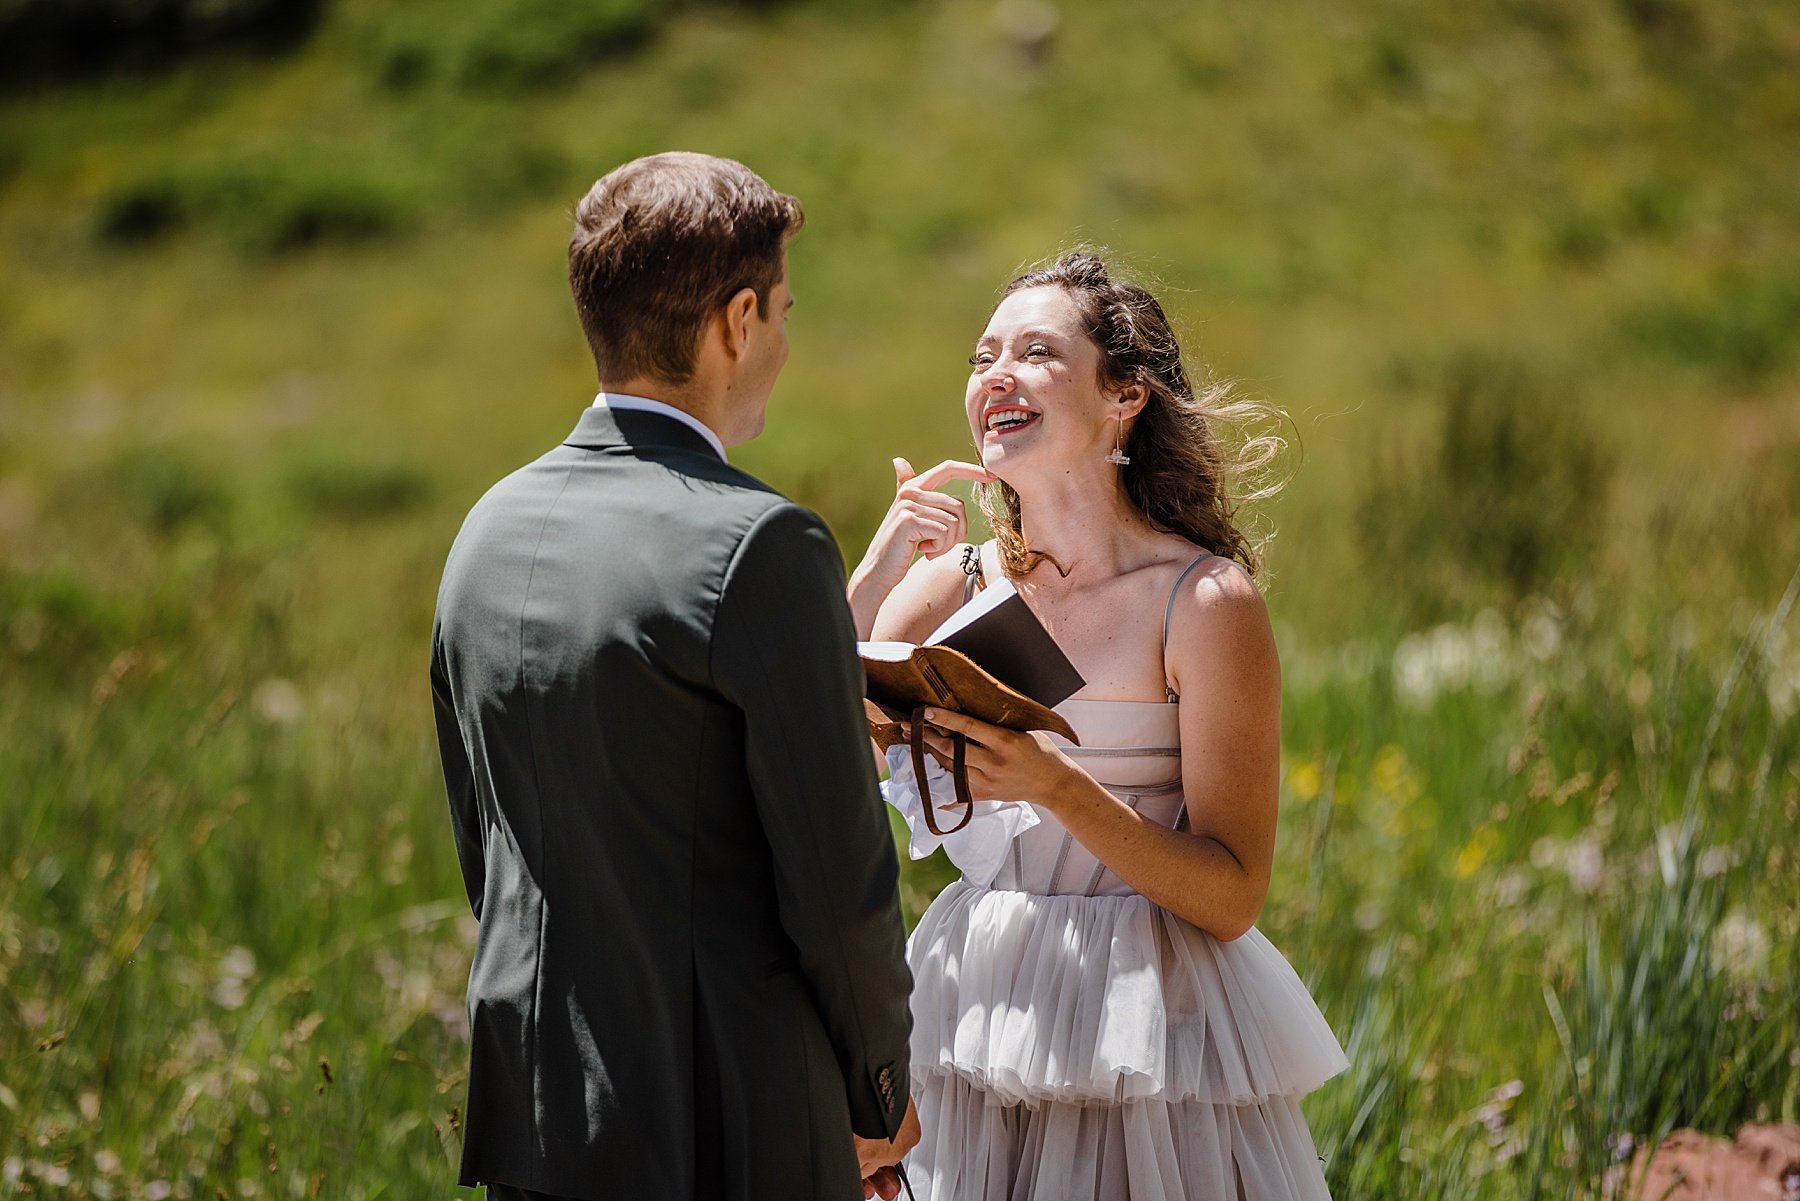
(1232, 929)
(1234, 909)
(1227, 920)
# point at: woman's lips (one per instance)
(1011, 421)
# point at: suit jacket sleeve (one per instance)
(784, 653)
(459, 779)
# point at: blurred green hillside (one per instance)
(279, 301)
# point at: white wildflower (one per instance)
(278, 702)
(235, 970)
(1714, 861)
(1783, 678)
(1740, 947)
(1585, 864)
(1541, 631)
(1450, 658)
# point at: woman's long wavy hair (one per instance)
(1183, 475)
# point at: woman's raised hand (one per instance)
(921, 519)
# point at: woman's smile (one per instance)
(999, 420)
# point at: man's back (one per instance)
(689, 973)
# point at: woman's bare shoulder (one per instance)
(931, 590)
(1219, 614)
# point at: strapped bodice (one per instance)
(1133, 750)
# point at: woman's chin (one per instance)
(996, 456)
(1007, 463)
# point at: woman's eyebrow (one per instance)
(1023, 336)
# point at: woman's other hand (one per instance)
(922, 519)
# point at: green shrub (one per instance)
(166, 489)
(65, 39)
(262, 205)
(142, 210)
(513, 44)
(353, 485)
(1513, 493)
(1744, 328)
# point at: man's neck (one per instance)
(697, 403)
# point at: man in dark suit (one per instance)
(690, 979)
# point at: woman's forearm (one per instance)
(865, 595)
(1193, 876)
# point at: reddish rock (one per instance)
(1761, 1164)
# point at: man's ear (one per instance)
(740, 311)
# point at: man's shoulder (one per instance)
(677, 500)
(702, 483)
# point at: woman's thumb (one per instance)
(902, 472)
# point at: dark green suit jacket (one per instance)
(690, 978)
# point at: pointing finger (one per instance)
(952, 469)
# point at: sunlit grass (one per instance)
(1536, 858)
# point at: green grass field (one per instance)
(1525, 275)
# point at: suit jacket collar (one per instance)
(600, 428)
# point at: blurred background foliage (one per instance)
(281, 293)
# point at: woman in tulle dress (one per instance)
(1095, 1014)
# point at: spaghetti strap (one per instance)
(1169, 612)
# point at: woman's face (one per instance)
(1034, 392)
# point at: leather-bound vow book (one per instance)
(992, 660)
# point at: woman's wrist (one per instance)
(1066, 789)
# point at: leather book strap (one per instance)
(959, 773)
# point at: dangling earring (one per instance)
(1118, 455)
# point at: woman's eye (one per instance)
(980, 360)
(1037, 349)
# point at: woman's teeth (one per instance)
(1010, 421)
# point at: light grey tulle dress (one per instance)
(1073, 1041)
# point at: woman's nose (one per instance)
(997, 382)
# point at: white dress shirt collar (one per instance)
(643, 404)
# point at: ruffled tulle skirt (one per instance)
(1099, 1047)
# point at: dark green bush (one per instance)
(166, 489)
(142, 211)
(1743, 329)
(47, 40)
(336, 481)
(513, 45)
(262, 205)
(1511, 497)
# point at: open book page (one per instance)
(985, 602)
(998, 633)
(886, 652)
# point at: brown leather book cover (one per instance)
(901, 680)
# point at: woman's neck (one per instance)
(1089, 527)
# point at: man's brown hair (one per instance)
(660, 245)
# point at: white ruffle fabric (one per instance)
(979, 1150)
(1096, 1047)
(980, 847)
